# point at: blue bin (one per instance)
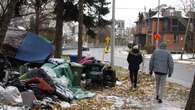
(73, 58)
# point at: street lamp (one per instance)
(113, 33)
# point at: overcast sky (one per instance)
(128, 9)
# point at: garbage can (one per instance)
(76, 70)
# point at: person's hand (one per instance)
(169, 75)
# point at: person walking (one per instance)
(134, 59)
(161, 63)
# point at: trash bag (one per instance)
(2, 94)
(10, 96)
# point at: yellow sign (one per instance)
(106, 49)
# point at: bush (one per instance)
(149, 49)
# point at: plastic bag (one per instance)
(10, 95)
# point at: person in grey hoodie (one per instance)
(161, 63)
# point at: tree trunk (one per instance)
(97, 40)
(191, 101)
(59, 28)
(80, 34)
(37, 23)
(5, 20)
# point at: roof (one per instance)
(156, 15)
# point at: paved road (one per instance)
(183, 73)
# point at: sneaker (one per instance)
(160, 101)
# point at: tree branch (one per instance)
(2, 7)
(27, 14)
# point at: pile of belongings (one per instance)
(97, 72)
(51, 84)
(54, 82)
(41, 86)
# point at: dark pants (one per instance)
(133, 78)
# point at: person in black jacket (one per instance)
(134, 59)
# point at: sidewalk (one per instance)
(164, 106)
(123, 97)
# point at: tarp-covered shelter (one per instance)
(26, 46)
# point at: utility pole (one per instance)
(113, 33)
(158, 23)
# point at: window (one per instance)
(176, 38)
(175, 26)
(166, 26)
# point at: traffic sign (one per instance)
(157, 36)
(107, 49)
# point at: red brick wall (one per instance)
(169, 38)
(154, 25)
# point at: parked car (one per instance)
(84, 48)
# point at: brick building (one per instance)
(172, 28)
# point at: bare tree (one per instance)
(188, 6)
(42, 10)
(6, 13)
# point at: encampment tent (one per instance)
(29, 47)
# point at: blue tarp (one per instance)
(34, 49)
